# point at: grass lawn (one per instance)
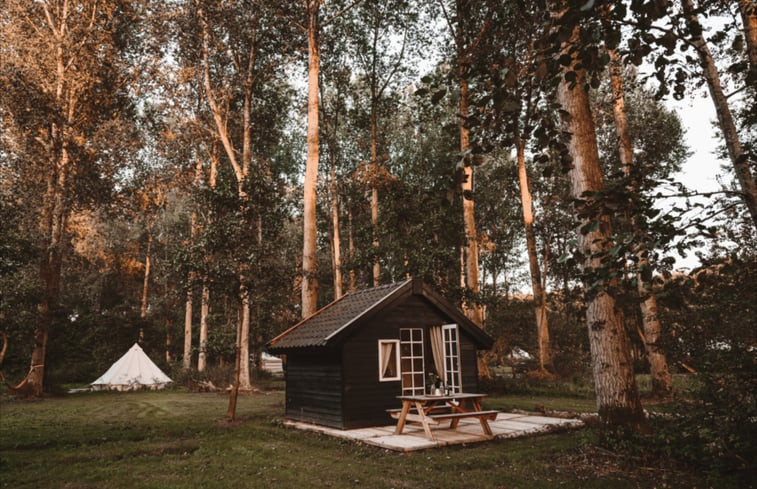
(173, 439)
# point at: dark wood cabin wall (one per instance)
(468, 362)
(365, 398)
(313, 389)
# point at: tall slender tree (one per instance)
(615, 386)
(310, 230)
(468, 24)
(661, 380)
(740, 159)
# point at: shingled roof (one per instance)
(317, 330)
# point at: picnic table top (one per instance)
(449, 397)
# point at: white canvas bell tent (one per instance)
(132, 371)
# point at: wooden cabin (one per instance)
(346, 363)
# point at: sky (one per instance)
(699, 173)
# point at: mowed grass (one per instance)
(175, 439)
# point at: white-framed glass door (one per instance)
(452, 380)
(411, 361)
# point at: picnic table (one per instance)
(429, 409)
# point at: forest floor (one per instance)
(177, 439)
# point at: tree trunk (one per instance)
(617, 395)
(193, 229)
(739, 158)
(539, 294)
(243, 382)
(351, 252)
(473, 310)
(169, 341)
(187, 360)
(202, 356)
(53, 221)
(146, 277)
(376, 269)
(748, 10)
(309, 246)
(469, 219)
(662, 384)
(374, 177)
(241, 172)
(234, 393)
(204, 310)
(336, 242)
(55, 205)
(661, 380)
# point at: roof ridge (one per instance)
(384, 291)
(395, 286)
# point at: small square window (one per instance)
(389, 360)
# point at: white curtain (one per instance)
(386, 356)
(437, 349)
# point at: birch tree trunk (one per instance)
(469, 219)
(374, 166)
(244, 341)
(351, 253)
(374, 196)
(748, 10)
(540, 296)
(336, 242)
(241, 171)
(186, 362)
(187, 359)
(202, 356)
(739, 158)
(146, 277)
(309, 241)
(617, 395)
(661, 381)
(231, 412)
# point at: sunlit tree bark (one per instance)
(310, 245)
(739, 158)
(748, 11)
(612, 367)
(661, 380)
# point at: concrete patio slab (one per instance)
(507, 425)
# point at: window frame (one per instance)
(398, 373)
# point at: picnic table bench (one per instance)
(429, 409)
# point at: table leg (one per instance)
(402, 418)
(424, 420)
(484, 423)
(458, 409)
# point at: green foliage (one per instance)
(714, 429)
(711, 329)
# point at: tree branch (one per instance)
(340, 13)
